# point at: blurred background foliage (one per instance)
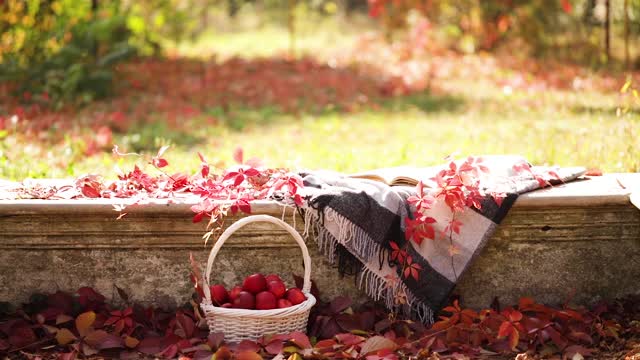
(299, 82)
(65, 50)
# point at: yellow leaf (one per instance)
(64, 336)
(84, 322)
(625, 87)
(131, 342)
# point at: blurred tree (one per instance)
(58, 51)
(563, 28)
(607, 30)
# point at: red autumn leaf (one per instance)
(298, 200)
(185, 326)
(21, 336)
(169, 352)
(555, 336)
(100, 339)
(454, 225)
(241, 205)
(325, 344)
(514, 315)
(157, 160)
(160, 162)
(300, 340)
(349, 339)
(215, 340)
(247, 345)
(90, 299)
(251, 172)
(420, 200)
(508, 330)
(566, 6)
(397, 254)
(378, 343)
(204, 166)
(274, 347)
(411, 269)
(204, 208)
(151, 345)
(90, 192)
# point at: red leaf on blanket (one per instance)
(411, 269)
(421, 200)
(397, 254)
(419, 229)
(454, 225)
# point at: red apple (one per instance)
(284, 303)
(233, 294)
(245, 300)
(273, 277)
(277, 288)
(254, 283)
(227, 305)
(219, 294)
(296, 296)
(265, 301)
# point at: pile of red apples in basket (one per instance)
(258, 292)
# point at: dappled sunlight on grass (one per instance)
(404, 133)
(367, 140)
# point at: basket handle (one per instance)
(258, 218)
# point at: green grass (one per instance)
(420, 130)
(463, 117)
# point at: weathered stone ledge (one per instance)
(582, 238)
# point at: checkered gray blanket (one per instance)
(355, 223)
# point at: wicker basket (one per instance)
(242, 324)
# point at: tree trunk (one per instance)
(232, 8)
(291, 26)
(94, 14)
(626, 35)
(607, 29)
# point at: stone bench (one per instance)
(579, 241)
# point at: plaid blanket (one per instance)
(354, 221)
